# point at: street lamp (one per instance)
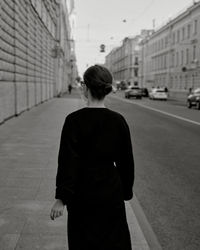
(71, 63)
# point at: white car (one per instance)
(114, 89)
(158, 94)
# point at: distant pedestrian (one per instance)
(95, 170)
(190, 91)
(69, 88)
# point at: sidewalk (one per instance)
(28, 164)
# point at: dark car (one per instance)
(133, 91)
(145, 92)
(194, 99)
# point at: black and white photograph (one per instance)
(99, 125)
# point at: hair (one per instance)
(99, 81)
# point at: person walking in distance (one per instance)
(95, 170)
(69, 88)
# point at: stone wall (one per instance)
(27, 69)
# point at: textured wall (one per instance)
(27, 70)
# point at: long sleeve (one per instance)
(125, 162)
(68, 158)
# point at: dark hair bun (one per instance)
(99, 80)
(107, 89)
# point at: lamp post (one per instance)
(72, 66)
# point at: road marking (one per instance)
(157, 110)
(145, 227)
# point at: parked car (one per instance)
(123, 85)
(133, 91)
(145, 92)
(158, 94)
(193, 99)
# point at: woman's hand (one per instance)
(57, 209)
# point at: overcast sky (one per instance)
(109, 21)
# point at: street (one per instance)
(166, 203)
(29, 147)
(166, 146)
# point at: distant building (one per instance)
(123, 61)
(170, 57)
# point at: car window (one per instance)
(160, 91)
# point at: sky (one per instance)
(110, 21)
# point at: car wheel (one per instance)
(198, 105)
(189, 104)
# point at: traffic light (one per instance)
(102, 48)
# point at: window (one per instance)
(178, 36)
(166, 41)
(173, 38)
(182, 57)
(171, 82)
(180, 83)
(177, 59)
(175, 82)
(136, 72)
(162, 43)
(194, 52)
(186, 80)
(187, 56)
(188, 30)
(173, 58)
(165, 61)
(136, 60)
(183, 33)
(195, 26)
(161, 62)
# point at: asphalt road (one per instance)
(166, 144)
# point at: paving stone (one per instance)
(11, 223)
(42, 242)
(27, 207)
(17, 182)
(28, 165)
(46, 191)
(31, 171)
(17, 193)
(42, 224)
(9, 241)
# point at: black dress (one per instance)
(95, 175)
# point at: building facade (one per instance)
(123, 61)
(33, 53)
(170, 57)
